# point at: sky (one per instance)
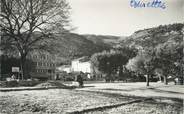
(117, 17)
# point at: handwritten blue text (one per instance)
(150, 4)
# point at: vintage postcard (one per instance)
(92, 57)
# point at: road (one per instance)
(138, 89)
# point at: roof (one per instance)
(64, 66)
(82, 59)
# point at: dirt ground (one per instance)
(147, 107)
(54, 101)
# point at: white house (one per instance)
(66, 68)
(81, 64)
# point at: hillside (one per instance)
(104, 39)
(73, 46)
(152, 37)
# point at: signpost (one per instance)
(16, 70)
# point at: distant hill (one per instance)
(104, 39)
(74, 46)
(153, 37)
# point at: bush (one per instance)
(69, 79)
(28, 83)
(12, 83)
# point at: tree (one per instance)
(170, 58)
(100, 63)
(8, 62)
(125, 53)
(159, 73)
(112, 62)
(27, 25)
(165, 60)
(142, 64)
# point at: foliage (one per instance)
(165, 60)
(8, 62)
(169, 58)
(164, 55)
(14, 83)
(27, 25)
(143, 63)
(74, 46)
(11, 83)
(152, 37)
(111, 62)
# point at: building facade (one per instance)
(44, 65)
(81, 65)
(64, 68)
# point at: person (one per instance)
(80, 80)
(13, 77)
(175, 81)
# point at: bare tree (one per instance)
(27, 25)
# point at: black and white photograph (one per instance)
(92, 57)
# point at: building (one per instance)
(64, 68)
(81, 64)
(44, 65)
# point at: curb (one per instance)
(22, 89)
(42, 88)
(106, 107)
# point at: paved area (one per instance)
(129, 89)
(138, 89)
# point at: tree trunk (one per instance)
(181, 80)
(165, 80)
(121, 76)
(22, 65)
(160, 78)
(147, 80)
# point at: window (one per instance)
(37, 64)
(40, 57)
(34, 56)
(44, 57)
(47, 57)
